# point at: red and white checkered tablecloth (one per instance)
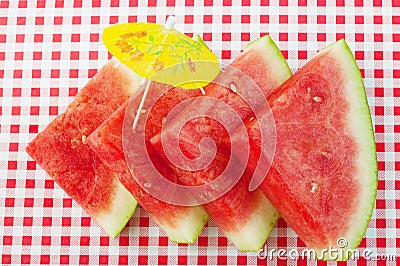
(49, 50)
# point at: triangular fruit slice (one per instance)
(61, 149)
(245, 217)
(181, 224)
(323, 178)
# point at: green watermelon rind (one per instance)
(266, 213)
(274, 55)
(360, 125)
(189, 228)
(124, 206)
(263, 220)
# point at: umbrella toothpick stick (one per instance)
(169, 24)
(146, 90)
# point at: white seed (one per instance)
(324, 153)
(308, 90)
(202, 91)
(147, 185)
(314, 187)
(83, 139)
(116, 65)
(317, 99)
(282, 98)
(163, 120)
(233, 87)
(251, 118)
(143, 111)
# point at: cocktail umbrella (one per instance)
(163, 54)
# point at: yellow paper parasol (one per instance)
(163, 54)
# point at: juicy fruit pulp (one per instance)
(61, 149)
(323, 176)
(246, 218)
(181, 224)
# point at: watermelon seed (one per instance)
(317, 99)
(314, 187)
(143, 111)
(324, 153)
(251, 118)
(282, 98)
(308, 91)
(74, 141)
(233, 87)
(147, 185)
(116, 65)
(163, 120)
(83, 139)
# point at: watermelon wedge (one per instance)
(246, 218)
(181, 224)
(61, 149)
(323, 178)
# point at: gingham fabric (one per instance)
(50, 49)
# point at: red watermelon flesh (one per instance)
(245, 217)
(61, 149)
(323, 177)
(182, 224)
